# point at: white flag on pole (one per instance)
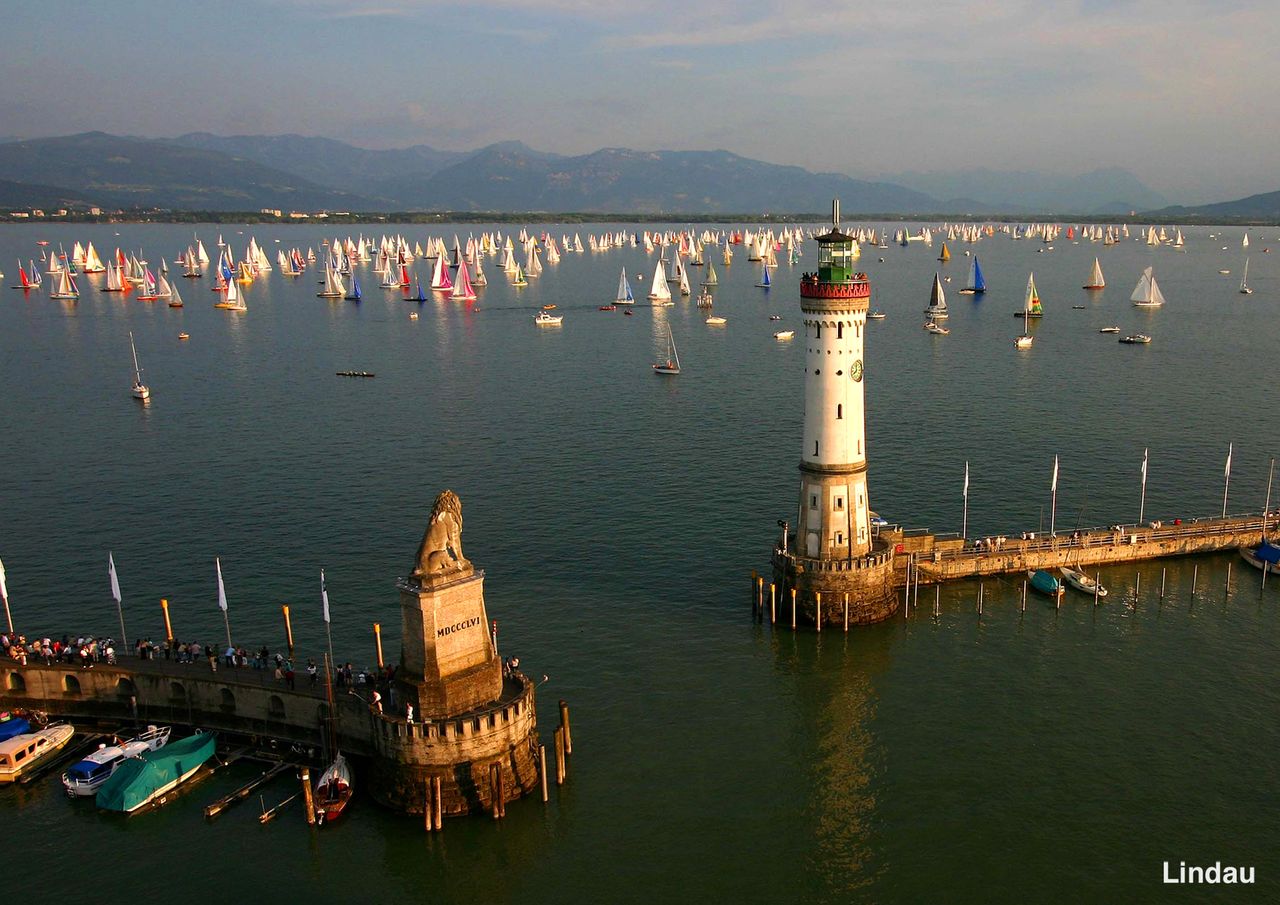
(222, 591)
(4, 591)
(324, 596)
(1144, 466)
(966, 480)
(115, 582)
(1055, 474)
(1227, 472)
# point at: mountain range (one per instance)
(204, 172)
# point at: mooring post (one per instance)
(846, 611)
(1162, 571)
(564, 726)
(168, 626)
(980, 596)
(759, 605)
(1137, 586)
(937, 601)
(753, 593)
(542, 770)
(502, 792)
(427, 808)
(1195, 573)
(773, 608)
(288, 629)
(437, 798)
(559, 743)
(377, 638)
(1097, 585)
(1227, 592)
(793, 609)
(915, 595)
(308, 803)
(1024, 595)
(817, 595)
(495, 792)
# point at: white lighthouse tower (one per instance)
(834, 553)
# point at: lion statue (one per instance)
(441, 549)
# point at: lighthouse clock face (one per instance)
(856, 371)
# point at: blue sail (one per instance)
(354, 294)
(979, 284)
(420, 297)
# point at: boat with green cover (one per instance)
(140, 780)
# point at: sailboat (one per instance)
(65, 288)
(624, 296)
(139, 389)
(333, 288)
(672, 364)
(975, 285)
(233, 300)
(1147, 293)
(945, 254)
(711, 279)
(1031, 304)
(354, 294)
(1095, 277)
(659, 292)
(1245, 288)
(937, 301)
(175, 298)
(765, 282)
(462, 290)
(1026, 339)
(333, 790)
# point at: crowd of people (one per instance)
(85, 652)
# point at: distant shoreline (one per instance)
(546, 217)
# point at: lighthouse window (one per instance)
(839, 539)
(817, 331)
(817, 370)
(840, 331)
(839, 502)
(815, 447)
(839, 411)
(813, 501)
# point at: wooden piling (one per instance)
(428, 808)
(437, 800)
(308, 803)
(1162, 571)
(846, 610)
(542, 771)
(1226, 594)
(288, 629)
(981, 594)
(1097, 585)
(1195, 573)
(1137, 586)
(773, 607)
(377, 638)
(564, 727)
(168, 626)
(560, 765)
(793, 609)
(818, 597)
(758, 607)
(495, 790)
(502, 792)
(1024, 595)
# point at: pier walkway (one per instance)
(931, 558)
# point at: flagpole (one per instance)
(1226, 484)
(328, 631)
(222, 599)
(964, 525)
(1053, 511)
(4, 594)
(115, 592)
(1142, 505)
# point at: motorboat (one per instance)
(936, 328)
(12, 724)
(608, 307)
(715, 321)
(775, 317)
(784, 334)
(22, 754)
(141, 780)
(1046, 583)
(1264, 556)
(84, 778)
(1137, 339)
(184, 336)
(1109, 330)
(1082, 582)
(875, 314)
(546, 319)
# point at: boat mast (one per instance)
(137, 371)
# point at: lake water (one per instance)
(1045, 756)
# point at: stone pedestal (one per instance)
(447, 662)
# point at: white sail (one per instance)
(658, 290)
(1147, 293)
(625, 296)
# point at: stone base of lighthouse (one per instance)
(823, 587)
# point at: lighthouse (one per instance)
(831, 556)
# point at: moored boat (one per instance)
(12, 724)
(1045, 583)
(333, 790)
(88, 775)
(22, 754)
(1136, 339)
(139, 781)
(1082, 582)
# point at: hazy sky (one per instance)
(1181, 93)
